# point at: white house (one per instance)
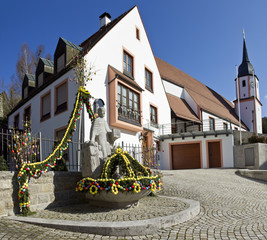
(145, 97)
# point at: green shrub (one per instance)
(257, 139)
(3, 164)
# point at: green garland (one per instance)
(35, 170)
(136, 176)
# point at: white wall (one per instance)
(227, 149)
(48, 127)
(244, 91)
(186, 96)
(109, 50)
(181, 93)
(173, 89)
(258, 117)
(218, 122)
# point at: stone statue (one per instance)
(96, 151)
(99, 131)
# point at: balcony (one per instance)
(129, 115)
(184, 129)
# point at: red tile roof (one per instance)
(205, 97)
(120, 75)
(181, 108)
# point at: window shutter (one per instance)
(62, 94)
(46, 104)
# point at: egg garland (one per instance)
(36, 169)
(136, 177)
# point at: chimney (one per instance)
(104, 19)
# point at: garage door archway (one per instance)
(186, 155)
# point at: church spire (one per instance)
(245, 67)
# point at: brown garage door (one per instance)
(214, 149)
(186, 156)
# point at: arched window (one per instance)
(97, 104)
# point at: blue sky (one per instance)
(202, 38)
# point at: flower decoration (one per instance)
(93, 189)
(137, 187)
(136, 177)
(36, 169)
(118, 150)
(114, 189)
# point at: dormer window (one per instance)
(127, 64)
(64, 53)
(40, 79)
(61, 62)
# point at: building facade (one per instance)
(152, 102)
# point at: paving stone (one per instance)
(232, 207)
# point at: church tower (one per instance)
(247, 85)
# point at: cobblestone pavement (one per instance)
(149, 207)
(232, 207)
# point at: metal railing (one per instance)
(128, 114)
(45, 148)
(191, 126)
(148, 156)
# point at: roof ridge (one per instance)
(186, 87)
(97, 36)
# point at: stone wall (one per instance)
(51, 189)
(256, 174)
(8, 194)
(252, 156)
(245, 136)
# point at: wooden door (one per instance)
(214, 151)
(186, 156)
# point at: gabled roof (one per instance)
(206, 98)
(181, 108)
(92, 40)
(30, 77)
(120, 75)
(47, 62)
(71, 44)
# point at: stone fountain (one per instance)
(112, 177)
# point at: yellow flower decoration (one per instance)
(114, 189)
(137, 187)
(93, 189)
(153, 186)
(118, 150)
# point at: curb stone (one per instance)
(126, 228)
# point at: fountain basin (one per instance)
(121, 200)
